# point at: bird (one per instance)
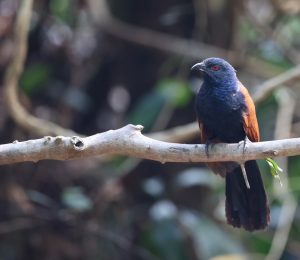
(226, 114)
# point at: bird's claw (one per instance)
(244, 144)
(207, 148)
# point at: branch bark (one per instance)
(129, 141)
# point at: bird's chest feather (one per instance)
(222, 114)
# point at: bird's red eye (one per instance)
(215, 67)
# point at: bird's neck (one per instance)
(225, 86)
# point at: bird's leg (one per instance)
(208, 143)
(242, 165)
(207, 148)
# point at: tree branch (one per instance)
(189, 49)
(129, 141)
(270, 85)
(12, 76)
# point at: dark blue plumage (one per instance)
(220, 105)
(226, 113)
(221, 112)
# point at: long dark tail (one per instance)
(247, 208)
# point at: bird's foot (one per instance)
(208, 143)
(244, 144)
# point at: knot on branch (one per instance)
(78, 143)
(131, 130)
(271, 152)
(47, 139)
(59, 139)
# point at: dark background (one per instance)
(92, 73)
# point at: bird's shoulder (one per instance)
(250, 123)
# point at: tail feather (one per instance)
(247, 208)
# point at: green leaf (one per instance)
(167, 91)
(35, 77)
(274, 168)
(61, 9)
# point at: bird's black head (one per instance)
(215, 70)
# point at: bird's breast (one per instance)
(222, 115)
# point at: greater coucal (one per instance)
(226, 113)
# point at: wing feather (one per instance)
(250, 123)
(203, 133)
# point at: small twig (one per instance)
(270, 85)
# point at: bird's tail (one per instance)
(247, 208)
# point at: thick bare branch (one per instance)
(129, 141)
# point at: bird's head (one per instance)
(215, 70)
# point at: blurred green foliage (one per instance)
(125, 208)
(167, 92)
(35, 77)
(62, 9)
(75, 199)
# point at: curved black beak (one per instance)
(198, 67)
